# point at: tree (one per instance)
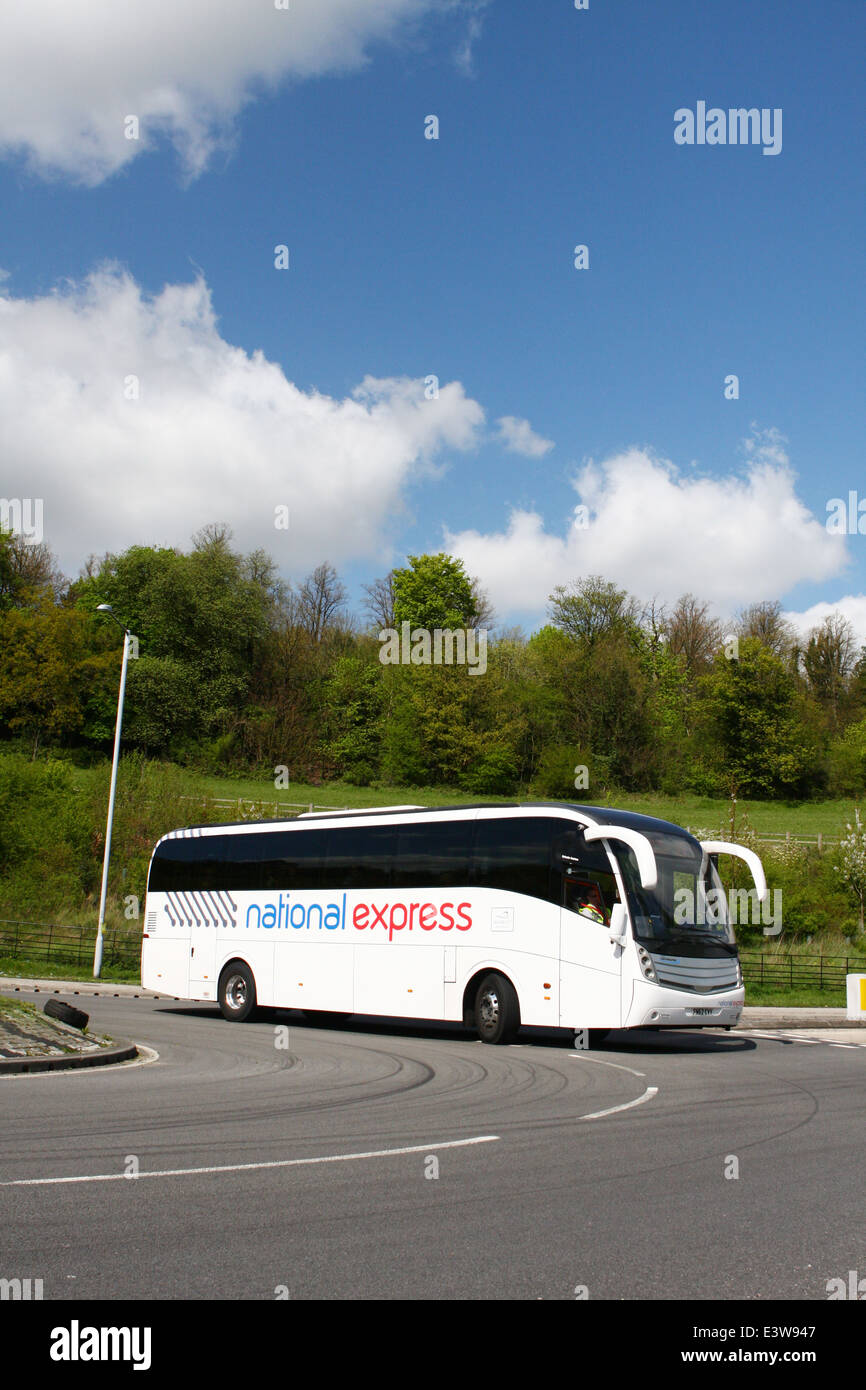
(591, 607)
(851, 865)
(26, 571)
(207, 614)
(320, 599)
(756, 725)
(693, 634)
(379, 602)
(828, 662)
(53, 684)
(764, 622)
(434, 591)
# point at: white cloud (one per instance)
(852, 607)
(217, 434)
(644, 525)
(71, 73)
(519, 437)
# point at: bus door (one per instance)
(165, 958)
(590, 970)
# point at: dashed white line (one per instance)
(599, 1063)
(629, 1105)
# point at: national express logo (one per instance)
(390, 917)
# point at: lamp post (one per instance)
(97, 955)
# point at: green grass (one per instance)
(774, 996)
(31, 968)
(17, 1010)
(800, 818)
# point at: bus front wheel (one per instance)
(237, 992)
(497, 1011)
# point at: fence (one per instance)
(240, 806)
(73, 945)
(785, 837)
(803, 971)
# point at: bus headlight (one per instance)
(646, 964)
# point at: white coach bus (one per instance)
(543, 914)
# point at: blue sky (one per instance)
(154, 260)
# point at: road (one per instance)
(602, 1171)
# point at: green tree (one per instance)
(206, 615)
(755, 720)
(590, 608)
(434, 591)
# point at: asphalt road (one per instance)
(564, 1189)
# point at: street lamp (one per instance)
(97, 955)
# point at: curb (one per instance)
(18, 985)
(122, 1051)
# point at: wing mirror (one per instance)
(618, 924)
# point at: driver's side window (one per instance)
(589, 885)
(585, 898)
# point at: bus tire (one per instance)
(237, 992)
(497, 1010)
(66, 1013)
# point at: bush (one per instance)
(558, 770)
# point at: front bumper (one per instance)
(654, 1006)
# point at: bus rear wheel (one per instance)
(237, 992)
(497, 1011)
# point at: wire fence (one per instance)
(245, 808)
(50, 941)
(799, 971)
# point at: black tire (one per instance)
(497, 1010)
(237, 992)
(66, 1013)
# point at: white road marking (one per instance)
(789, 1036)
(249, 1167)
(599, 1063)
(629, 1105)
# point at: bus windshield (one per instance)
(686, 906)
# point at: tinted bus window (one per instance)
(433, 854)
(514, 855)
(361, 856)
(206, 863)
(292, 860)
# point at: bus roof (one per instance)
(597, 815)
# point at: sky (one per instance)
(318, 260)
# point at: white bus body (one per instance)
(545, 914)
